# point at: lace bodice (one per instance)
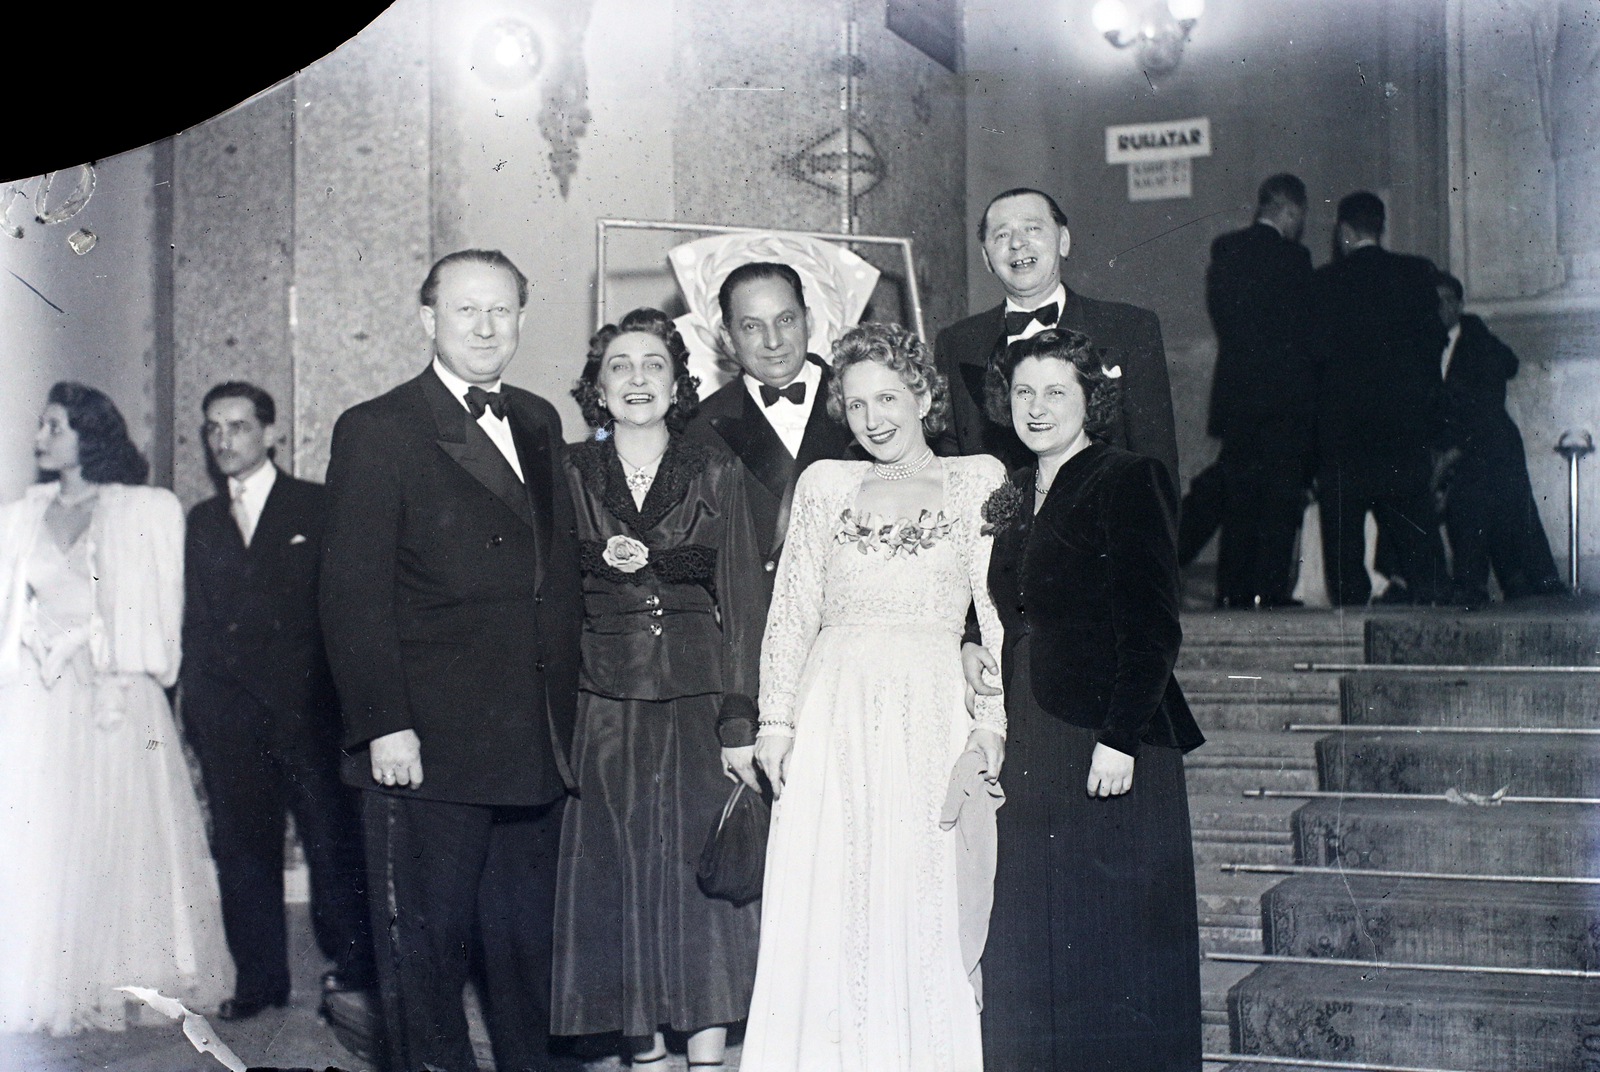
(831, 576)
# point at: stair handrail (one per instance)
(1400, 965)
(1452, 876)
(1355, 794)
(1438, 668)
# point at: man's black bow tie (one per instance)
(1017, 322)
(479, 400)
(795, 392)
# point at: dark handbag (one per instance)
(735, 855)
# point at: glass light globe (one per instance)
(1186, 10)
(1110, 15)
(508, 51)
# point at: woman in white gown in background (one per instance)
(862, 720)
(107, 880)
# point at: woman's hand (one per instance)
(1110, 772)
(991, 746)
(772, 756)
(739, 765)
(975, 659)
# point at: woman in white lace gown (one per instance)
(862, 720)
(107, 879)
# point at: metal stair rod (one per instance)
(1312, 727)
(1306, 1062)
(1438, 668)
(1573, 446)
(1309, 869)
(1353, 795)
(1395, 965)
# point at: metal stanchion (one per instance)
(1573, 446)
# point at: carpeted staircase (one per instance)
(1237, 669)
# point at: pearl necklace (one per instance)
(902, 470)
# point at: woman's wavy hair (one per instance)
(901, 352)
(1101, 393)
(105, 453)
(685, 385)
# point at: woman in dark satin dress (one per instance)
(671, 642)
(1092, 963)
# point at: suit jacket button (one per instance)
(652, 601)
(655, 628)
(538, 599)
(770, 566)
(658, 612)
(539, 666)
(496, 541)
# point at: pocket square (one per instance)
(297, 538)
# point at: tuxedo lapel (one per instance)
(472, 449)
(824, 436)
(533, 452)
(274, 519)
(752, 439)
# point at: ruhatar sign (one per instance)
(1177, 139)
(1158, 156)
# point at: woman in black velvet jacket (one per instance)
(1092, 961)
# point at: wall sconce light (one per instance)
(507, 54)
(1159, 27)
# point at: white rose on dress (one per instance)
(626, 554)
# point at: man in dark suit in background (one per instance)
(1262, 393)
(1375, 338)
(1024, 237)
(259, 708)
(452, 607)
(1490, 514)
(774, 416)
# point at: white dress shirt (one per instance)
(1449, 350)
(249, 497)
(787, 418)
(1034, 327)
(497, 428)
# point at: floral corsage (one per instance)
(625, 554)
(902, 536)
(1001, 509)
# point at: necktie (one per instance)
(479, 400)
(1017, 322)
(241, 513)
(795, 392)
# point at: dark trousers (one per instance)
(1394, 487)
(1492, 519)
(1264, 471)
(254, 775)
(442, 877)
(1201, 513)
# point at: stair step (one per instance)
(1364, 917)
(1416, 1018)
(1258, 700)
(1215, 939)
(1271, 641)
(1213, 854)
(1547, 766)
(1217, 813)
(1505, 638)
(1437, 836)
(1232, 761)
(1235, 893)
(1567, 700)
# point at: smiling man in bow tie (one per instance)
(452, 609)
(1024, 237)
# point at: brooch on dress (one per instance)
(901, 536)
(1001, 509)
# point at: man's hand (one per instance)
(1110, 772)
(397, 759)
(739, 764)
(772, 756)
(975, 659)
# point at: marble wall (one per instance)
(90, 317)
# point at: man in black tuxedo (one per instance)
(259, 708)
(1375, 338)
(1257, 288)
(452, 608)
(1490, 514)
(1025, 238)
(774, 416)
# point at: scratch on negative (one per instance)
(1113, 262)
(35, 289)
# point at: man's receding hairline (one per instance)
(733, 294)
(502, 269)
